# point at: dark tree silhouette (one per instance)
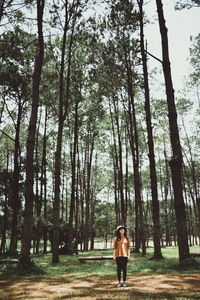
(177, 160)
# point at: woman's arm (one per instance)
(114, 254)
(114, 247)
(129, 253)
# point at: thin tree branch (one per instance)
(154, 57)
(3, 132)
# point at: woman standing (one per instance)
(121, 245)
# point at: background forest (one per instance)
(84, 143)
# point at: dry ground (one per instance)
(180, 286)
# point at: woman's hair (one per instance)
(118, 233)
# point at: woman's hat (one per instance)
(120, 227)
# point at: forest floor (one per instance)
(147, 279)
(179, 286)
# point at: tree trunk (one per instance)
(29, 195)
(73, 163)
(82, 203)
(188, 215)
(38, 203)
(88, 190)
(84, 213)
(73, 185)
(120, 172)
(127, 200)
(56, 202)
(115, 170)
(15, 186)
(176, 160)
(93, 202)
(166, 189)
(43, 190)
(134, 144)
(63, 110)
(153, 176)
(5, 216)
(5, 224)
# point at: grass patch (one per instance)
(71, 267)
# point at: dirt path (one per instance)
(139, 287)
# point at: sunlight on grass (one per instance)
(70, 267)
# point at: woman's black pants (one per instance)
(121, 266)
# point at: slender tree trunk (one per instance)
(153, 176)
(43, 190)
(131, 141)
(147, 212)
(5, 225)
(74, 153)
(116, 170)
(120, 172)
(56, 202)
(84, 204)
(88, 190)
(76, 218)
(117, 210)
(93, 202)
(70, 247)
(188, 215)
(134, 143)
(29, 195)
(172, 211)
(15, 186)
(62, 194)
(166, 190)
(37, 196)
(92, 221)
(63, 110)
(126, 176)
(5, 216)
(177, 160)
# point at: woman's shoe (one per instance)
(124, 284)
(119, 284)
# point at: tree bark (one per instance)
(115, 170)
(88, 190)
(56, 202)
(70, 247)
(153, 175)
(134, 144)
(38, 203)
(15, 186)
(5, 216)
(43, 188)
(176, 160)
(166, 190)
(29, 195)
(73, 163)
(120, 171)
(63, 110)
